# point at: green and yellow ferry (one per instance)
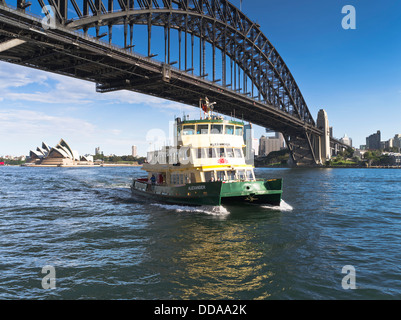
(205, 166)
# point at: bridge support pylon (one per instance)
(323, 151)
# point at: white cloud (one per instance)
(33, 122)
(13, 76)
(115, 132)
(23, 130)
(49, 88)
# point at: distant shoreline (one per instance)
(108, 165)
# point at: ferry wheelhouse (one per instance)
(205, 166)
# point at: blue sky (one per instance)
(355, 75)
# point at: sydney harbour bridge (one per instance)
(181, 50)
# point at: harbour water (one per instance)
(104, 244)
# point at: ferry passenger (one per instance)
(153, 179)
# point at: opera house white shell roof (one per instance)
(60, 155)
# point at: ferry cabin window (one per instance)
(205, 153)
(249, 175)
(229, 152)
(231, 175)
(209, 176)
(237, 153)
(245, 175)
(216, 129)
(229, 129)
(241, 175)
(202, 129)
(188, 130)
(220, 175)
(238, 131)
(178, 178)
(212, 153)
(199, 154)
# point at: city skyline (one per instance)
(355, 77)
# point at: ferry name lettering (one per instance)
(196, 188)
(220, 144)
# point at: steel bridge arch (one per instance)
(217, 22)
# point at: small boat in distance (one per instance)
(205, 166)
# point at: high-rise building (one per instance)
(134, 151)
(397, 141)
(346, 140)
(270, 144)
(373, 141)
(387, 145)
(255, 146)
(250, 147)
(97, 151)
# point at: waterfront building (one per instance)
(396, 157)
(397, 141)
(346, 140)
(255, 146)
(373, 142)
(359, 153)
(386, 145)
(134, 151)
(251, 144)
(270, 144)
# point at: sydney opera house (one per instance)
(60, 155)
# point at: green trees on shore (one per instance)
(370, 158)
(12, 162)
(346, 158)
(119, 159)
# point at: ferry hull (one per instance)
(213, 193)
(195, 194)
